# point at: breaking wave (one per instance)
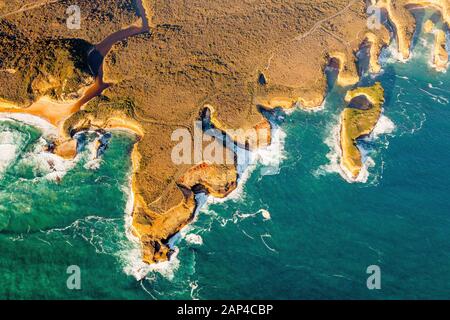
(334, 156)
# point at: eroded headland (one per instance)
(358, 119)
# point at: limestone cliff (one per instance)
(358, 120)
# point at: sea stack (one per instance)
(359, 118)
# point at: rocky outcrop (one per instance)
(440, 54)
(154, 226)
(358, 120)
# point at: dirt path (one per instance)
(319, 23)
(28, 7)
(314, 28)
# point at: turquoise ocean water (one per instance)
(322, 235)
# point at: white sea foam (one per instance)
(187, 232)
(391, 54)
(430, 85)
(318, 108)
(437, 68)
(402, 77)
(7, 138)
(267, 236)
(132, 256)
(134, 266)
(269, 158)
(194, 287)
(334, 156)
(53, 166)
(8, 149)
(56, 166)
(265, 214)
(48, 130)
(193, 238)
(273, 155)
(383, 126)
(8, 153)
(11, 143)
(437, 98)
(93, 164)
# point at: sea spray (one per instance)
(8, 150)
(318, 108)
(58, 167)
(132, 256)
(52, 166)
(15, 138)
(48, 130)
(194, 239)
(383, 126)
(268, 158)
(390, 55)
(265, 214)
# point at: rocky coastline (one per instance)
(162, 71)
